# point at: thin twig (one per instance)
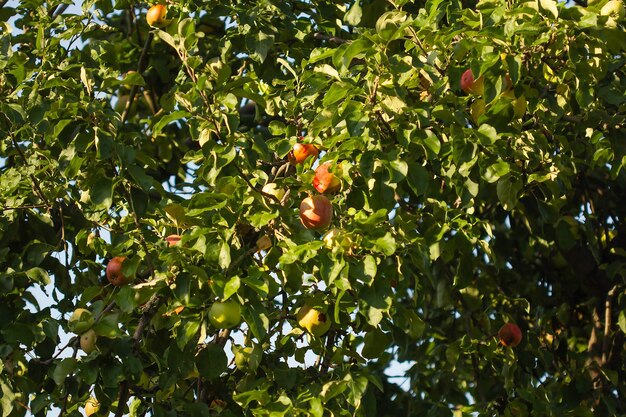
(140, 67)
(25, 207)
(607, 324)
(335, 39)
(264, 194)
(32, 177)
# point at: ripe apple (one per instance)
(271, 188)
(301, 151)
(88, 341)
(316, 212)
(156, 15)
(92, 406)
(510, 335)
(224, 315)
(172, 240)
(80, 321)
(314, 321)
(615, 11)
(324, 180)
(471, 86)
(247, 358)
(114, 272)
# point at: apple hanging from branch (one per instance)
(156, 16)
(88, 341)
(302, 151)
(114, 272)
(316, 212)
(510, 335)
(314, 321)
(470, 85)
(324, 180)
(224, 315)
(80, 321)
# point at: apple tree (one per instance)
(312, 208)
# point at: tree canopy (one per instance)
(449, 203)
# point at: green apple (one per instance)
(314, 321)
(80, 321)
(224, 315)
(247, 358)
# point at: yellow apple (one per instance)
(314, 321)
(88, 341)
(80, 321)
(92, 406)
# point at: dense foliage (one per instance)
(456, 213)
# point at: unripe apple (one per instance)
(471, 86)
(615, 11)
(301, 151)
(247, 358)
(156, 15)
(172, 240)
(114, 272)
(224, 315)
(92, 406)
(314, 321)
(510, 335)
(316, 212)
(80, 321)
(88, 341)
(324, 180)
(271, 188)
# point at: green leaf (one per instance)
(353, 16)
(102, 192)
(508, 190)
(376, 342)
(550, 6)
(38, 275)
(211, 361)
(385, 244)
(495, 171)
(63, 369)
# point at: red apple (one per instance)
(172, 240)
(510, 335)
(316, 212)
(301, 151)
(114, 272)
(324, 180)
(471, 86)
